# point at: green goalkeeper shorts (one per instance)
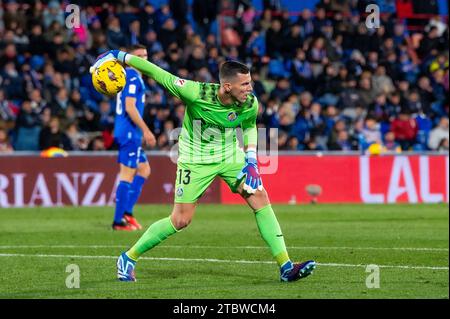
(193, 179)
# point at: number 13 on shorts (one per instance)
(184, 176)
(184, 190)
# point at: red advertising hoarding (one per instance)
(27, 181)
(356, 179)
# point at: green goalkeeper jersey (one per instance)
(209, 127)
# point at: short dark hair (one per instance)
(230, 69)
(135, 47)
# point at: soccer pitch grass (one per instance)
(221, 254)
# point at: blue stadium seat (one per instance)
(27, 139)
(276, 69)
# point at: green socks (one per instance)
(155, 234)
(265, 219)
(271, 233)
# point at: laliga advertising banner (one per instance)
(27, 181)
(356, 179)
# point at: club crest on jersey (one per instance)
(232, 116)
(180, 82)
(180, 191)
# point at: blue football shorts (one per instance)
(131, 154)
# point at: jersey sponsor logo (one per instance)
(131, 154)
(132, 89)
(232, 116)
(180, 82)
(180, 191)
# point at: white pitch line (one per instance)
(220, 261)
(232, 247)
(323, 247)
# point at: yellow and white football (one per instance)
(109, 78)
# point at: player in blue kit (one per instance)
(129, 130)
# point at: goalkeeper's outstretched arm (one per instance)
(183, 89)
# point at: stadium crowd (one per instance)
(324, 79)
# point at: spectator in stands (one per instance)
(89, 121)
(381, 82)
(36, 40)
(5, 145)
(196, 60)
(370, 133)
(53, 13)
(28, 126)
(106, 117)
(282, 139)
(317, 56)
(405, 129)
(328, 82)
(301, 72)
(204, 13)
(167, 34)
(79, 140)
(52, 136)
(444, 145)
(317, 124)
(8, 110)
(282, 89)
(12, 81)
(97, 144)
(60, 102)
(337, 127)
(147, 17)
(362, 38)
(438, 134)
(165, 140)
(312, 145)
(342, 143)
(335, 49)
(274, 40)
(286, 117)
(292, 144)
(135, 32)
(114, 36)
(179, 9)
(429, 42)
(45, 117)
(390, 144)
(426, 93)
(394, 105)
(305, 20)
(366, 95)
(292, 42)
(379, 108)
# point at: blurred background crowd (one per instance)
(323, 78)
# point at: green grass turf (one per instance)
(333, 235)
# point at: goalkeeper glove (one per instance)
(109, 55)
(253, 180)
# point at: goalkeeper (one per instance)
(208, 148)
